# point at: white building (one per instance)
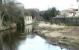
(78, 4)
(77, 13)
(71, 12)
(28, 20)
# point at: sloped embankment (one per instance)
(64, 36)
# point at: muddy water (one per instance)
(27, 41)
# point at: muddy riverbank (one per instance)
(60, 34)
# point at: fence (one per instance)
(66, 21)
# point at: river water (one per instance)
(36, 43)
(26, 41)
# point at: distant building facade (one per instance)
(28, 20)
(31, 15)
(78, 4)
(78, 8)
(69, 13)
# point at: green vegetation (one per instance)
(49, 14)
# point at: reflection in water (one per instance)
(11, 41)
(37, 43)
(25, 41)
(28, 28)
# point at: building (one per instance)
(31, 15)
(78, 4)
(78, 8)
(69, 13)
(28, 20)
(32, 12)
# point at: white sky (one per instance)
(45, 4)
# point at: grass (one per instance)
(69, 35)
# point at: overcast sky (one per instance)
(45, 4)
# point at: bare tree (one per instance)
(11, 12)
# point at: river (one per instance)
(27, 41)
